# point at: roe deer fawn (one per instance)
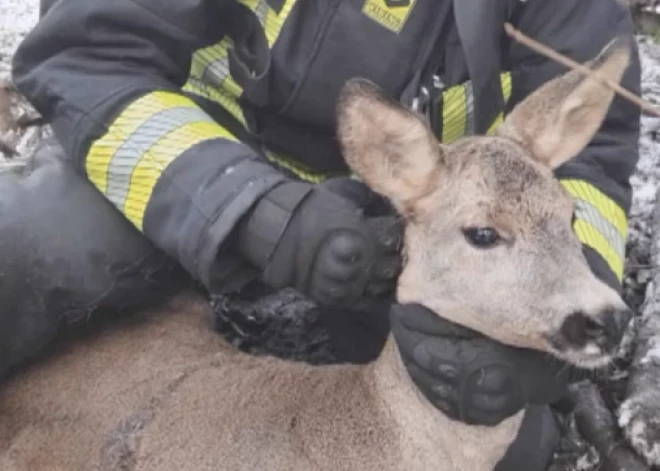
(162, 392)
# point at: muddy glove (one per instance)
(322, 240)
(469, 377)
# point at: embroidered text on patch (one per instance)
(392, 14)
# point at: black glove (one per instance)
(333, 241)
(470, 377)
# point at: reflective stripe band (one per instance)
(209, 77)
(505, 82)
(261, 10)
(453, 113)
(600, 223)
(457, 116)
(587, 212)
(469, 108)
(127, 161)
(209, 70)
(589, 235)
(458, 109)
(275, 21)
(144, 137)
(298, 169)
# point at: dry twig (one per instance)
(571, 64)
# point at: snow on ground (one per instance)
(16, 19)
(639, 413)
(646, 179)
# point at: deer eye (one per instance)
(481, 237)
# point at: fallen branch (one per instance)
(27, 121)
(597, 425)
(571, 64)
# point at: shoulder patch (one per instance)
(392, 14)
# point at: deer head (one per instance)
(488, 236)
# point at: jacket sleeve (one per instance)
(108, 76)
(599, 177)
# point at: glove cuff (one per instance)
(260, 234)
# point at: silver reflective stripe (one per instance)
(217, 71)
(587, 212)
(262, 11)
(127, 156)
(469, 109)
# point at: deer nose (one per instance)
(605, 329)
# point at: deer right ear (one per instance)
(389, 147)
(560, 118)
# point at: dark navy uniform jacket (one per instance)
(183, 113)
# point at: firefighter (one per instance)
(203, 131)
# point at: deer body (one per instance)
(488, 244)
(187, 401)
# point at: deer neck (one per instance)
(429, 438)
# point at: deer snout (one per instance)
(604, 329)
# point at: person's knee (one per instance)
(535, 444)
(66, 254)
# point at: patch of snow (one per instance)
(641, 429)
(653, 355)
(16, 19)
(639, 414)
(586, 462)
(647, 177)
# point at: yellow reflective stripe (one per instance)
(453, 113)
(299, 169)
(102, 151)
(144, 139)
(98, 161)
(607, 222)
(611, 211)
(153, 162)
(589, 235)
(458, 109)
(275, 21)
(209, 77)
(209, 69)
(506, 84)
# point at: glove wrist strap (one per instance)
(264, 228)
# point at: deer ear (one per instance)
(389, 147)
(560, 118)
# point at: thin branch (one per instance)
(571, 64)
(25, 121)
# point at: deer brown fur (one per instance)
(162, 392)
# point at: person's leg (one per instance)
(66, 253)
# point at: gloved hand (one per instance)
(470, 377)
(328, 241)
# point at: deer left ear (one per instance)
(389, 147)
